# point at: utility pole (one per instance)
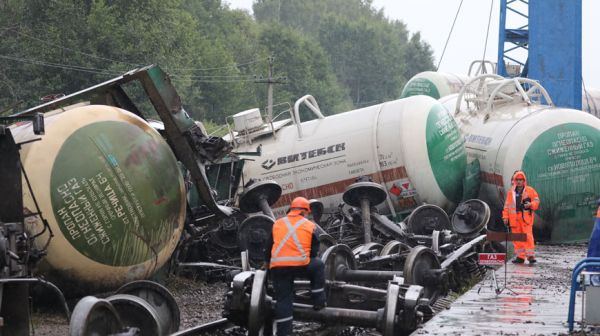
(270, 81)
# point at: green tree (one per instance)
(306, 66)
(372, 56)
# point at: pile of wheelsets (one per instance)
(379, 274)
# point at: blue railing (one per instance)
(579, 267)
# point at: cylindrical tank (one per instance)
(557, 148)
(113, 195)
(434, 84)
(438, 84)
(412, 146)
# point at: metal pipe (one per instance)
(365, 206)
(359, 318)
(345, 274)
(49, 284)
(266, 209)
(202, 329)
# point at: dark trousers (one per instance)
(283, 284)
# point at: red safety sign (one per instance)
(492, 258)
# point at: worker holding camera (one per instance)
(521, 202)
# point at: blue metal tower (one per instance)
(550, 39)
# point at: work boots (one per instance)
(518, 260)
(531, 260)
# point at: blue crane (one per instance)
(551, 40)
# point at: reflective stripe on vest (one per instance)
(290, 234)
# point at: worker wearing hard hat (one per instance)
(521, 202)
(293, 253)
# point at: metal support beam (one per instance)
(555, 49)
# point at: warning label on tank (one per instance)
(563, 165)
(116, 193)
(446, 151)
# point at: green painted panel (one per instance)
(420, 86)
(472, 181)
(115, 192)
(563, 165)
(446, 150)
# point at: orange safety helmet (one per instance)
(300, 203)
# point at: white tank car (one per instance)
(412, 146)
(507, 128)
(112, 193)
(434, 84)
(438, 84)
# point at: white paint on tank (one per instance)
(388, 142)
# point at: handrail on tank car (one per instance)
(579, 267)
(482, 79)
(483, 67)
(518, 82)
(312, 104)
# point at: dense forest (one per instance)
(344, 52)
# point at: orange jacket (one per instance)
(510, 206)
(292, 237)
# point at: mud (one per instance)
(533, 302)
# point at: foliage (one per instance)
(343, 52)
(372, 56)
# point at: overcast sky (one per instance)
(433, 18)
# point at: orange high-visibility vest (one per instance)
(510, 205)
(292, 238)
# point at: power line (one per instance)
(59, 66)
(230, 66)
(487, 34)
(234, 65)
(182, 79)
(215, 77)
(449, 34)
(74, 50)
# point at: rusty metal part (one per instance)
(365, 195)
(470, 218)
(159, 298)
(225, 235)
(373, 192)
(203, 329)
(423, 268)
(391, 310)
(253, 236)
(387, 227)
(454, 256)
(93, 316)
(259, 196)
(394, 247)
(427, 218)
(316, 210)
(260, 312)
(367, 250)
(341, 266)
(390, 317)
(137, 313)
(325, 241)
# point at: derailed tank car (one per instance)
(411, 146)
(510, 124)
(111, 190)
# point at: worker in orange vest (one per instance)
(521, 202)
(293, 253)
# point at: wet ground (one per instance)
(534, 302)
(198, 303)
(538, 307)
